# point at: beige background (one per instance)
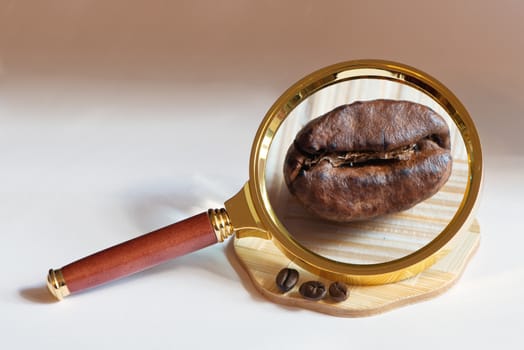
(474, 47)
(118, 117)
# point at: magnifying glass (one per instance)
(364, 250)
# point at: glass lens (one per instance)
(369, 240)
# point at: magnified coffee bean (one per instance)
(369, 158)
(313, 290)
(287, 279)
(338, 291)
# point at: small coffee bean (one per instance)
(286, 279)
(338, 291)
(313, 290)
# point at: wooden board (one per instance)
(263, 260)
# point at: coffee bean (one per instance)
(287, 279)
(368, 158)
(338, 291)
(313, 290)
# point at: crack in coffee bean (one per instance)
(286, 279)
(369, 158)
(356, 158)
(313, 290)
(338, 291)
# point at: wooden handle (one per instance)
(134, 255)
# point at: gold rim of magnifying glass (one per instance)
(380, 273)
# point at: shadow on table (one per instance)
(39, 295)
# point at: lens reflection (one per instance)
(377, 240)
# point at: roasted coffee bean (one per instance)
(368, 159)
(287, 279)
(338, 291)
(313, 290)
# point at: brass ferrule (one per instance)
(221, 223)
(56, 284)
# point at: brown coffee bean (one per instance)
(338, 291)
(286, 279)
(368, 159)
(313, 290)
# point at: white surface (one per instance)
(118, 119)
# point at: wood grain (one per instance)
(263, 260)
